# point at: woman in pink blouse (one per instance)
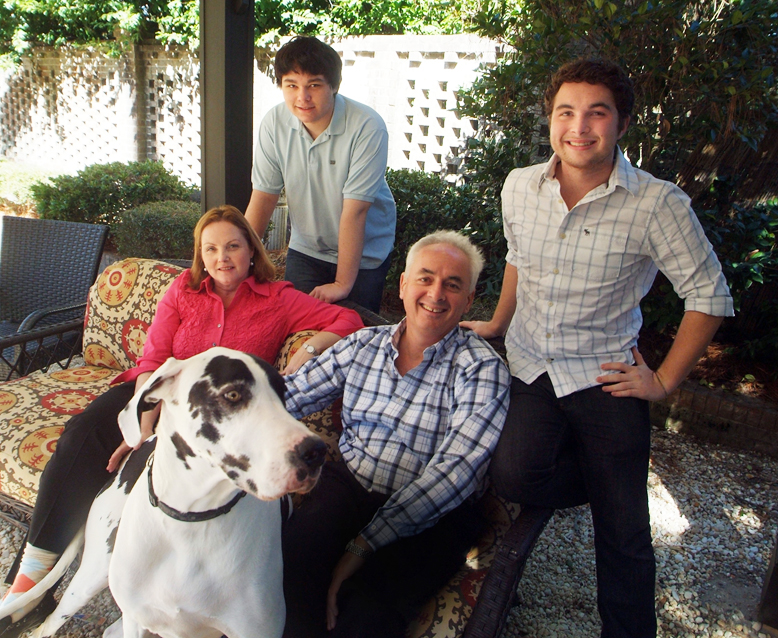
(227, 298)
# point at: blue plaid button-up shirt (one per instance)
(425, 438)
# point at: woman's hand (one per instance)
(320, 342)
(147, 421)
(298, 359)
(117, 456)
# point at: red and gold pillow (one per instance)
(121, 306)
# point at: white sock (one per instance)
(36, 563)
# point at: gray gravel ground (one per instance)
(714, 514)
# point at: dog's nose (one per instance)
(311, 451)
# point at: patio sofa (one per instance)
(34, 409)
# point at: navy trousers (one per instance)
(306, 273)
(380, 599)
(588, 447)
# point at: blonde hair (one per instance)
(451, 238)
(262, 268)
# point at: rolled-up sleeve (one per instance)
(680, 249)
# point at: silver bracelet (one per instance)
(353, 548)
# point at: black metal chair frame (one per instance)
(46, 269)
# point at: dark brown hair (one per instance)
(263, 269)
(305, 54)
(594, 71)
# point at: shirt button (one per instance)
(550, 303)
(562, 235)
(556, 271)
(548, 335)
(560, 201)
(550, 360)
(214, 344)
(218, 325)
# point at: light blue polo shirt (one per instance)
(346, 161)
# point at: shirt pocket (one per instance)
(599, 258)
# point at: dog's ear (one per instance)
(158, 387)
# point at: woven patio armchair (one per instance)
(46, 269)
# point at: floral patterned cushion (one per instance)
(34, 409)
(446, 615)
(33, 412)
(121, 306)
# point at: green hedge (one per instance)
(426, 203)
(744, 239)
(158, 230)
(101, 192)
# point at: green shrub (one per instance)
(426, 203)
(158, 230)
(99, 193)
(744, 238)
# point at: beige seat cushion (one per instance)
(33, 412)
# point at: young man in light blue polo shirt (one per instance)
(330, 153)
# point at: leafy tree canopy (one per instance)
(704, 72)
(24, 23)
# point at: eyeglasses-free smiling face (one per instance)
(435, 290)
(226, 255)
(311, 99)
(584, 127)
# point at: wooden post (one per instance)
(226, 95)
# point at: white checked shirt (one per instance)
(425, 438)
(583, 272)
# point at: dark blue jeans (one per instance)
(306, 273)
(380, 599)
(588, 447)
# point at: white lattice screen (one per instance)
(67, 108)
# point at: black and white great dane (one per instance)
(185, 555)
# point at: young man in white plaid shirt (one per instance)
(423, 405)
(586, 233)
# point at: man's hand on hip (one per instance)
(638, 381)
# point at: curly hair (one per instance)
(594, 71)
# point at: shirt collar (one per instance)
(623, 173)
(434, 351)
(337, 123)
(207, 286)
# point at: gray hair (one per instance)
(451, 238)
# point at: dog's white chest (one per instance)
(187, 577)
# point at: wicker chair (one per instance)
(46, 268)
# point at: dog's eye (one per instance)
(233, 396)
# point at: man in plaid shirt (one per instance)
(586, 234)
(424, 402)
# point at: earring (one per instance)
(252, 263)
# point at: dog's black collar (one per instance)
(188, 517)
